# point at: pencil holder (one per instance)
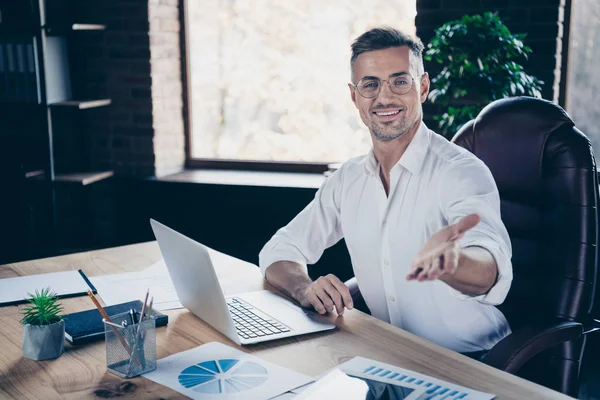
(130, 345)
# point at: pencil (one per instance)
(107, 318)
(144, 306)
(98, 306)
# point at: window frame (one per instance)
(218, 163)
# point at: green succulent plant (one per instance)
(480, 59)
(43, 308)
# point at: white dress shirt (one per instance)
(434, 184)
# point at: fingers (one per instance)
(335, 296)
(337, 292)
(422, 261)
(439, 255)
(327, 293)
(343, 290)
(427, 270)
(325, 302)
(314, 301)
(434, 270)
(443, 263)
(464, 224)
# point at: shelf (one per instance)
(38, 174)
(53, 30)
(83, 178)
(88, 27)
(81, 104)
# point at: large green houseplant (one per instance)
(480, 59)
(43, 326)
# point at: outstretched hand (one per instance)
(439, 255)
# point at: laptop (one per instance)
(245, 318)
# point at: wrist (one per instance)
(299, 292)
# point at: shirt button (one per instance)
(392, 298)
(384, 224)
(386, 262)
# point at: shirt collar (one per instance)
(413, 157)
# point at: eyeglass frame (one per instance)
(393, 76)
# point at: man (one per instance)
(420, 215)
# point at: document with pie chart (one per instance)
(216, 371)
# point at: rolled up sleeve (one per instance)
(313, 230)
(469, 188)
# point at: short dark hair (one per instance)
(384, 38)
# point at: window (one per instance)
(267, 79)
(583, 75)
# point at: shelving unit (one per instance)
(37, 39)
(35, 64)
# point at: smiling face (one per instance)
(389, 115)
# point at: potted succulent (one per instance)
(480, 62)
(43, 326)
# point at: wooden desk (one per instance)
(81, 371)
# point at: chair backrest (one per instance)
(545, 171)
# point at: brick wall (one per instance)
(167, 103)
(136, 62)
(541, 20)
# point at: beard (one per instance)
(388, 132)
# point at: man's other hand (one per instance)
(324, 294)
(439, 255)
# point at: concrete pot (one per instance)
(44, 342)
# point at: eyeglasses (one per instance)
(370, 87)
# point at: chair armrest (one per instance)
(354, 290)
(516, 349)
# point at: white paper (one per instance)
(338, 384)
(435, 388)
(61, 283)
(121, 288)
(217, 371)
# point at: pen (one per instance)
(149, 311)
(137, 333)
(111, 323)
(143, 333)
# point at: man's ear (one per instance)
(352, 94)
(425, 84)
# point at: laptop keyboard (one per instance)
(249, 324)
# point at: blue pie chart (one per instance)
(223, 376)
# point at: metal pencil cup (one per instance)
(130, 351)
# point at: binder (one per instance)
(86, 326)
(32, 83)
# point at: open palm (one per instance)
(439, 254)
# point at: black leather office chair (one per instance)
(545, 171)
